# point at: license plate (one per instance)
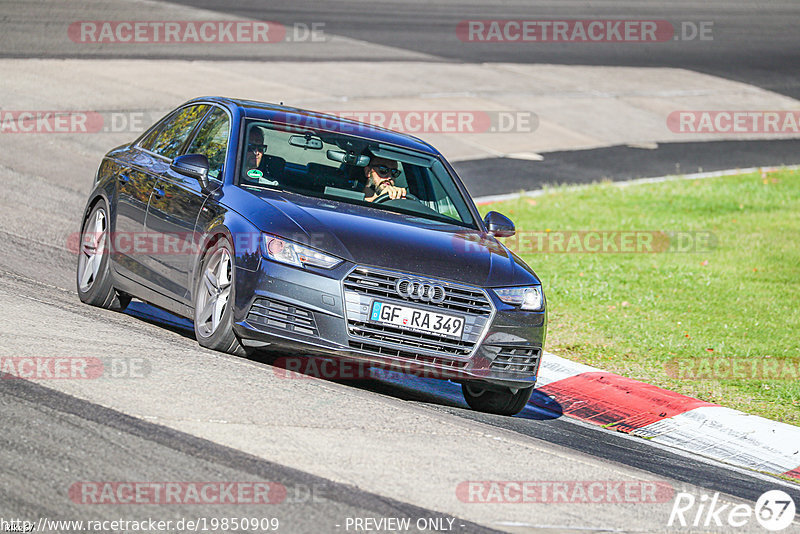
(417, 320)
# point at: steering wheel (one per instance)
(385, 198)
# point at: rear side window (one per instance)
(212, 140)
(173, 135)
(147, 142)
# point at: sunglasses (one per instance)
(255, 147)
(384, 171)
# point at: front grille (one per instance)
(376, 283)
(379, 350)
(271, 313)
(391, 334)
(365, 285)
(524, 360)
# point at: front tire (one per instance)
(494, 401)
(213, 301)
(94, 280)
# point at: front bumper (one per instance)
(326, 313)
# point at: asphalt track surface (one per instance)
(533, 422)
(71, 434)
(753, 42)
(50, 438)
(620, 163)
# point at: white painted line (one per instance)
(625, 183)
(730, 436)
(554, 368)
(691, 455)
(715, 432)
(531, 156)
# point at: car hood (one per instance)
(380, 238)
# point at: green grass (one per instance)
(632, 313)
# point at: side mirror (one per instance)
(499, 225)
(194, 166)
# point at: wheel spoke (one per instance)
(99, 223)
(223, 270)
(88, 271)
(100, 244)
(225, 293)
(205, 314)
(210, 282)
(219, 308)
(88, 249)
(95, 266)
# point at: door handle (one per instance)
(123, 179)
(158, 192)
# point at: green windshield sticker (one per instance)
(255, 173)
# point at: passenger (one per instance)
(380, 175)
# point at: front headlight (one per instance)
(527, 298)
(284, 251)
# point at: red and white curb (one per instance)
(626, 405)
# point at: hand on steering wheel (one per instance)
(385, 197)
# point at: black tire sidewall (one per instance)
(497, 402)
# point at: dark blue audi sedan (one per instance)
(291, 231)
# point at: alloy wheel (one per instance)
(93, 244)
(215, 290)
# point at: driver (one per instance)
(268, 168)
(380, 175)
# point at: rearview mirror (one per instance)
(499, 225)
(306, 141)
(194, 166)
(348, 157)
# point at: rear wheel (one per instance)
(501, 402)
(94, 279)
(213, 301)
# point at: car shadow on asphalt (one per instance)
(164, 319)
(402, 386)
(391, 383)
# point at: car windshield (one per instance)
(350, 169)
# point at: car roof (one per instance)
(320, 121)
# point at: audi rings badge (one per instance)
(418, 290)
